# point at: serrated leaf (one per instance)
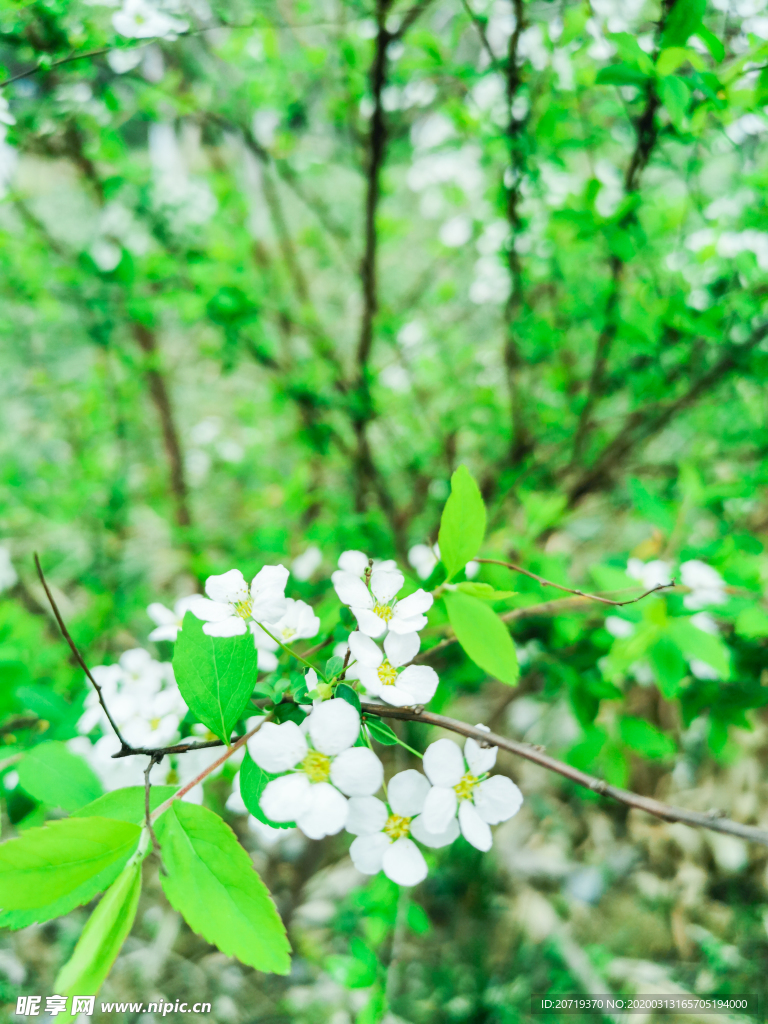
(380, 731)
(211, 881)
(104, 934)
(55, 776)
(253, 781)
(462, 526)
(345, 691)
(484, 591)
(125, 804)
(483, 636)
(216, 675)
(45, 865)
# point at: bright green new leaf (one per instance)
(752, 622)
(105, 932)
(56, 777)
(675, 96)
(216, 675)
(668, 665)
(45, 864)
(695, 643)
(483, 636)
(645, 738)
(212, 883)
(712, 43)
(462, 526)
(380, 731)
(484, 591)
(126, 804)
(253, 781)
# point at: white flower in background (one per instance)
(424, 558)
(138, 19)
(298, 623)
(650, 574)
(384, 834)
(356, 562)
(459, 784)
(379, 674)
(6, 117)
(376, 609)
(321, 777)
(169, 622)
(618, 627)
(307, 563)
(707, 585)
(232, 603)
(8, 575)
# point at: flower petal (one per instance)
(164, 633)
(386, 583)
(233, 626)
(271, 577)
(420, 681)
(480, 759)
(211, 611)
(334, 725)
(366, 652)
(497, 799)
(267, 661)
(367, 852)
(228, 588)
(366, 815)
(416, 603)
(404, 863)
(443, 763)
(406, 792)
(276, 748)
(473, 828)
(418, 831)
(351, 590)
(354, 562)
(161, 615)
(369, 677)
(395, 696)
(439, 809)
(357, 772)
(263, 640)
(368, 622)
(412, 624)
(326, 812)
(401, 648)
(286, 798)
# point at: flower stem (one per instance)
(293, 653)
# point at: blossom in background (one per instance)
(307, 563)
(618, 627)
(650, 574)
(707, 585)
(232, 603)
(169, 622)
(376, 609)
(321, 777)
(299, 622)
(459, 785)
(8, 575)
(424, 558)
(385, 834)
(356, 562)
(416, 684)
(138, 19)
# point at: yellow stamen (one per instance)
(387, 673)
(316, 766)
(244, 608)
(383, 611)
(288, 634)
(465, 785)
(397, 827)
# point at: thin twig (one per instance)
(666, 812)
(147, 817)
(568, 590)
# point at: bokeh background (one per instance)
(269, 272)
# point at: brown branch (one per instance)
(568, 590)
(159, 393)
(696, 819)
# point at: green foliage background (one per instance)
(262, 291)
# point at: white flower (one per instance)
(650, 574)
(232, 603)
(356, 562)
(169, 622)
(707, 585)
(376, 609)
(8, 575)
(321, 777)
(423, 558)
(619, 627)
(384, 834)
(138, 19)
(459, 784)
(305, 565)
(299, 622)
(416, 684)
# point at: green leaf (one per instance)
(333, 666)
(105, 932)
(645, 738)
(345, 691)
(126, 804)
(253, 781)
(462, 526)
(682, 21)
(216, 675)
(752, 622)
(675, 97)
(621, 74)
(483, 636)
(380, 731)
(484, 591)
(46, 864)
(212, 883)
(417, 919)
(695, 643)
(56, 777)
(669, 665)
